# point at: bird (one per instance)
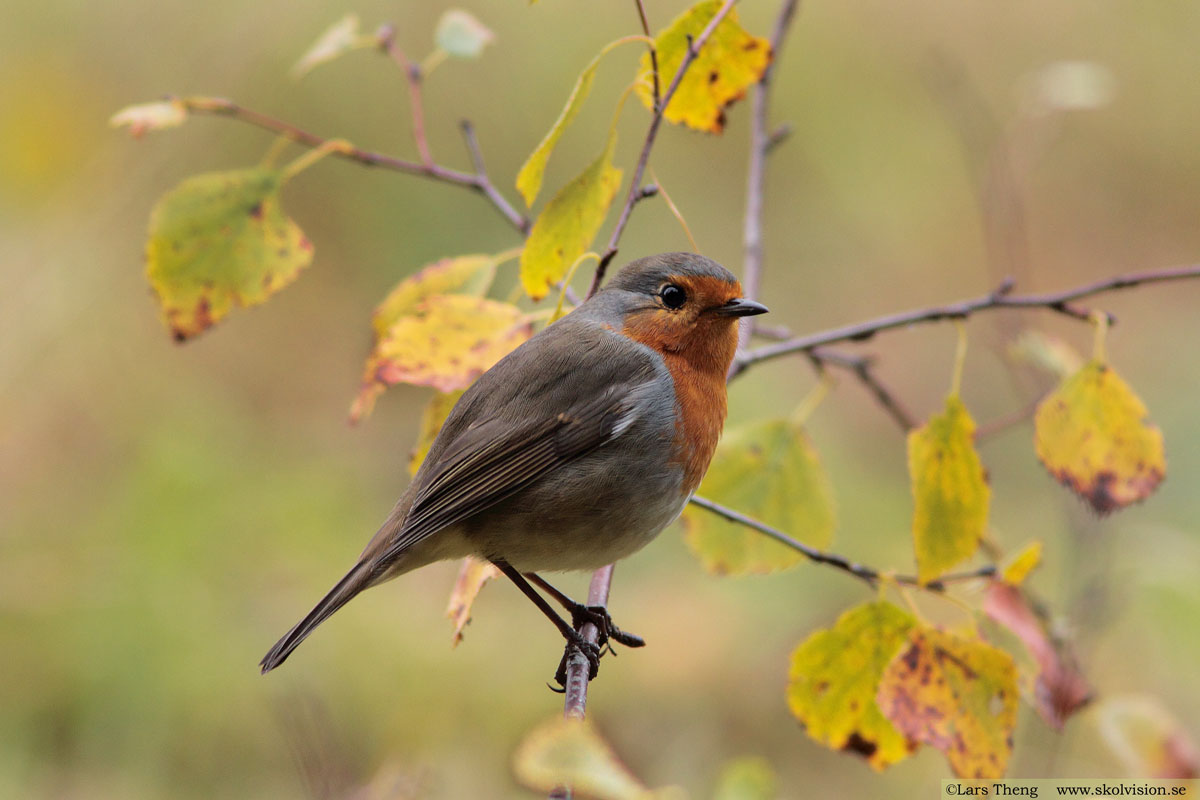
(573, 451)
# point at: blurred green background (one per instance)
(166, 512)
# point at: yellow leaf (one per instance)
(432, 419)
(747, 778)
(950, 491)
(1091, 433)
(217, 240)
(569, 752)
(1147, 738)
(338, 39)
(471, 275)
(529, 179)
(446, 343)
(730, 62)
(770, 471)
(569, 222)
(1020, 565)
(150, 117)
(472, 575)
(834, 677)
(956, 695)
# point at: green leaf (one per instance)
(447, 342)
(471, 274)
(835, 675)
(729, 63)
(461, 35)
(770, 471)
(1091, 433)
(957, 695)
(338, 39)
(950, 491)
(569, 222)
(569, 752)
(146, 117)
(747, 778)
(217, 240)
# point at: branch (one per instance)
(478, 182)
(635, 183)
(861, 367)
(641, 9)
(761, 142)
(1000, 298)
(866, 574)
(412, 76)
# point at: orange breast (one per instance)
(702, 408)
(698, 359)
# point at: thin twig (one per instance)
(485, 184)
(635, 183)
(412, 76)
(760, 145)
(480, 183)
(987, 430)
(862, 368)
(641, 9)
(867, 574)
(1054, 301)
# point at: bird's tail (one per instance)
(346, 589)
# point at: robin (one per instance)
(575, 449)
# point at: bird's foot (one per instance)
(599, 616)
(577, 646)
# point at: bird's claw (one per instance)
(599, 616)
(586, 649)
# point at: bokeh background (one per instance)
(166, 512)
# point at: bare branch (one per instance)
(412, 76)
(867, 574)
(1054, 301)
(635, 182)
(480, 183)
(641, 9)
(861, 367)
(760, 145)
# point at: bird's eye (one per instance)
(672, 296)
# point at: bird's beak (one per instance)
(740, 307)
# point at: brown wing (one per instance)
(491, 461)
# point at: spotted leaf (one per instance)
(728, 64)
(446, 343)
(219, 240)
(955, 694)
(1091, 433)
(834, 677)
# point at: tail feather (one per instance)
(346, 589)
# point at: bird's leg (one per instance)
(574, 639)
(597, 615)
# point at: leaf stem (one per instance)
(960, 358)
